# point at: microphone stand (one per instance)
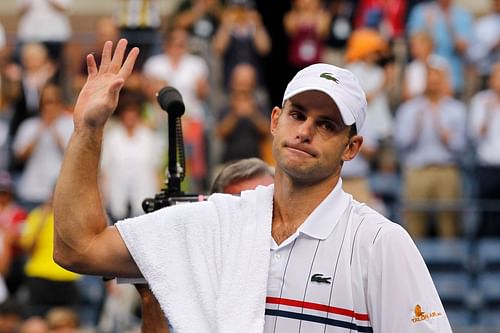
(170, 100)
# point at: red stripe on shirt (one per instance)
(316, 306)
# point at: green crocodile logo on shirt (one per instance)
(320, 278)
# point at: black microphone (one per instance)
(170, 100)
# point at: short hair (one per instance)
(59, 317)
(130, 99)
(243, 169)
(353, 131)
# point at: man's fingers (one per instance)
(91, 65)
(128, 65)
(117, 60)
(106, 56)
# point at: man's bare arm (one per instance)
(82, 240)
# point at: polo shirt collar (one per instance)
(321, 222)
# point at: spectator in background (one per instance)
(186, 72)
(40, 144)
(105, 29)
(484, 130)
(340, 29)
(35, 324)
(385, 16)
(451, 28)
(241, 175)
(430, 134)
(306, 25)
(130, 143)
(189, 74)
(12, 217)
(485, 44)
(36, 71)
(47, 283)
(47, 22)
(201, 19)
(10, 88)
(10, 316)
(63, 320)
(365, 49)
(243, 123)
(139, 21)
(415, 72)
(241, 38)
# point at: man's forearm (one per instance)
(79, 213)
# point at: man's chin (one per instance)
(301, 173)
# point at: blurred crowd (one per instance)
(430, 71)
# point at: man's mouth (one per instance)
(301, 150)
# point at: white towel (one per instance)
(209, 269)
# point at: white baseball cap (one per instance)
(340, 84)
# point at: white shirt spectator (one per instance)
(417, 137)
(42, 167)
(130, 166)
(42, 22)
(485, 110)
(184, 77)
(484, 50)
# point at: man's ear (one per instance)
(275, 114)
(352, 148)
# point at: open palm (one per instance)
(99, 96)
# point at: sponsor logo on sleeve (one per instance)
(421, 315)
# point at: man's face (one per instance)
(311, 139)
(437, 81)
(50, 104)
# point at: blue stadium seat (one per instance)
(444, 254)
(453, 287)
(459, 317)
(489, 287)
(488, 254)
(490, 318)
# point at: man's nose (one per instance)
(306, 130)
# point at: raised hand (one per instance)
(99, 96)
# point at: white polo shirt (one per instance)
(348, 269)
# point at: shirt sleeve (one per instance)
(401, 294)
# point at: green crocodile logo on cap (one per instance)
(329, 76)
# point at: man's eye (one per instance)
(297, 115)
(329, 126)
